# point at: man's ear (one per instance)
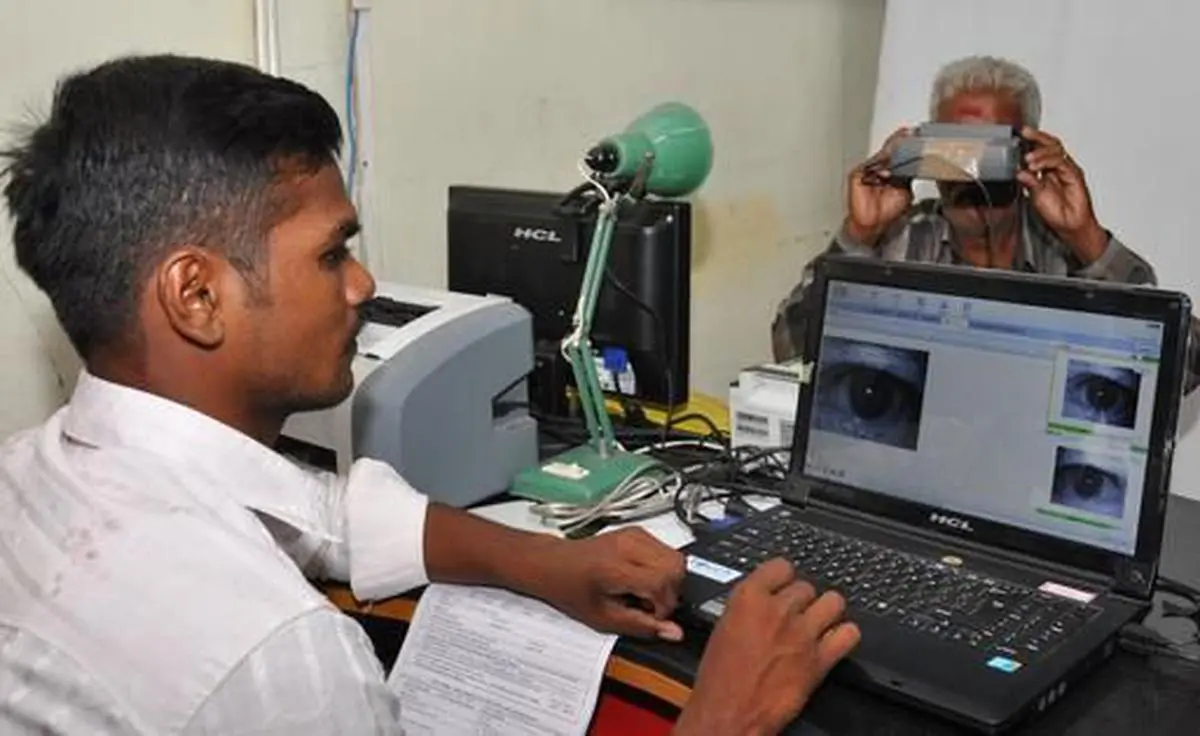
(188, 288)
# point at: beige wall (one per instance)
(510, 93)
(39, 41)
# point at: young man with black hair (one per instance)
(188, 221)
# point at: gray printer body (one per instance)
(442, 398)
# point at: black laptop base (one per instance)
(946, 628)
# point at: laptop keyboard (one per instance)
(923, 594)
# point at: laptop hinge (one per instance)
(1020, 559)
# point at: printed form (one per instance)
(487, 661)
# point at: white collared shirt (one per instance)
(153, 577)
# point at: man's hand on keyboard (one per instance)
(626, 582)
(772, 647)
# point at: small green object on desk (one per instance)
(579, 476)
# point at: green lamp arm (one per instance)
(578, 346)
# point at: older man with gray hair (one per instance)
(1041, 223)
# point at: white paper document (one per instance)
(486, 661)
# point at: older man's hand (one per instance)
(1058, 191)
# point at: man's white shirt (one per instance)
(154, 577)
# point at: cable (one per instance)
(1138, 638)
(759, 456)
(714, 432)
(988, 239)
(564, 426)
(649, 491)
(646, 492)
(871, 176)
(351, 114)
(660, 330)
(718, 479)
(1178, 588)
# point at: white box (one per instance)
(762, 406)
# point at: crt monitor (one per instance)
(532, 247)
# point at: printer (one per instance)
(440, 394)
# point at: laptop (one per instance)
(980, 464)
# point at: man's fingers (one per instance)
(1047, 160)
(1040, 137)
(797, 597)
(880, 157)
(649, 570)
(824, 613)
(649, 586)
(893, 140)
(623, 619)
(669, 631)
(1028, 180)
(771, 576)
(835, 645)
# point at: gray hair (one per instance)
(988, 73)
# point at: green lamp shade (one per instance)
(677, 139)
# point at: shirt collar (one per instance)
(222, 459)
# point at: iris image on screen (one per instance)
(870, 391)
(1089, 481)
(1101, 393)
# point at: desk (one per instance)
(1132, 694)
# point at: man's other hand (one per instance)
(624, 582)
(1059, 193)
(873, 201)
(773, 646)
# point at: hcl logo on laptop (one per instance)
(951, 521)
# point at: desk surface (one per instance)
(1131, 694)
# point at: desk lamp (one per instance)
(666, 152)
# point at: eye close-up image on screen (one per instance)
(1101, 393)
(1092, 482)
(870, 391)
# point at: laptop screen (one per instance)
(1025, 415)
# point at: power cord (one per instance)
(871, 175)
(1139, 638)
(644, 493)
(648, 491)
(351, 89)
(714, 432)
(660, 332)
(729, 478)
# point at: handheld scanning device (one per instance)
(976, 163)
(963, 152)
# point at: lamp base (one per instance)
(578, 476)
